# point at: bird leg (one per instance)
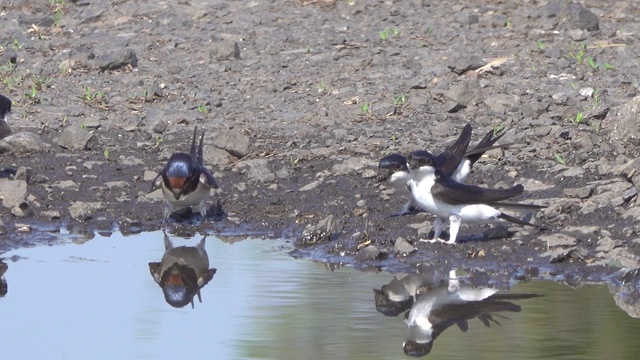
(454, 226)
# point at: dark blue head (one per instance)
(420, 158)
(5, 107)
(180, 169)
(391, 164)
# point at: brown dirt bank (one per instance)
(301, 99)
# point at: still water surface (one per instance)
(98, 300)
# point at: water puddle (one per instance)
(115, 297)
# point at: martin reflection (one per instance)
(182, 272)
(3, 282)
(437, 302)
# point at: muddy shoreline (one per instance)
(301, 99)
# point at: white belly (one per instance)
(473, 213)
(201, 193)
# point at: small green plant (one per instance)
(365, 108)
(592, 63)
(202, 109)
(597, 126)
(578, 119)
(351, 2)
(322, 87)
(294, 160)
(497, 128)
(16, 44)
(159, 140)
(400, 100)
(384, 34)
(83, 126)
(541, 45)
(32, 95)
(8, 66)
(428, 31)
(57, 7)
(106, 154)
(94, 98)
(608, 66)
(596, 98)
(560, 159)
(507, 24)
(578, 55)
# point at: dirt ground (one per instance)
(299, 101)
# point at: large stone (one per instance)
(624, 122)
(12, 192)
(83, 211)
(22, 143)
(466, 93)
(350, 166)
(258, 170)
(74, 138)
(234, 142)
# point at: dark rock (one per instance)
(370, 252)
(75, 138)
(496, 232)
(116, 61)
(461, 63)
(466, 93)
(466, 18)
(234, 142)
(12, 192)
(323, 231)
(582, 18)
(22, 143)
(83, 211)
(258, 170)
(403, 247)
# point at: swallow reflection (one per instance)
(182, 272)
(438, 302)
(3, 282)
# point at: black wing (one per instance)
(155, 184)
(486, 144)
(452, 192)
(450, 158)
(207, 179)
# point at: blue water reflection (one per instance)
(98, 300)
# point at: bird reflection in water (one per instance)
(182, 272)
(3, 282)
(436, 302)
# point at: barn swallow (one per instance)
(450, 304)
(5, 110)
(440, 195)
(185, 181)
(456, 161)
(182, 272)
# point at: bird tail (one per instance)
(517, 206)
(515, 220)
(192, 151)
(200, 157)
